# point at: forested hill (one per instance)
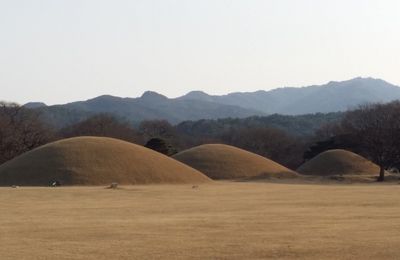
(301, 125)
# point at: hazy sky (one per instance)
(58, 51)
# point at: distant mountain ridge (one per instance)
(149, 106)
(331, 97)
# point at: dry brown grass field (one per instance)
(223, 220)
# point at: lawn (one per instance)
(224, 220)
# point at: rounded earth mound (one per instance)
(338, 162)
(219, 161)
(95, 161)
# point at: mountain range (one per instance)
(331, 97)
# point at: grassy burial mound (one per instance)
(95, 161)
(338, 162)
(220, 161)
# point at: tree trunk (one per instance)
(381, 174)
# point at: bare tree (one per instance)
(331, 136)
(21, 130)
(272, 143)
(103, 125)
(377, 126)
(327, 131)
(157, 128)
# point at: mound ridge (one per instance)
(219, 161)
(338, 162)
(95, 161)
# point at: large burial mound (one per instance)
(95, 161)
(220, 161)
(338, 162)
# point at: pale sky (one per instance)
(57, 51)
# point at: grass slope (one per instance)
(338, 162)
(219, 161)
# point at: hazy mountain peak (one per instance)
(152, 96)
(357, 80)
(34, 105)
(197, 94)
(104, 98)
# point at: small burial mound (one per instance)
(95, 161)
(219, 161)
(338, 162)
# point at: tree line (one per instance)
(372, 130)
